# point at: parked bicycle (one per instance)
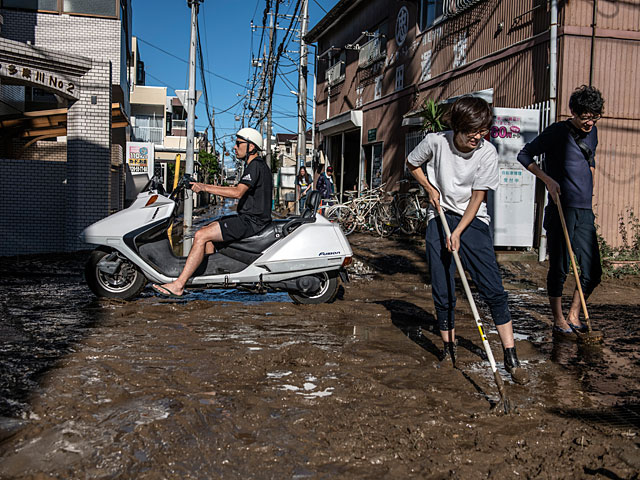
(414, 206)
(359, 212)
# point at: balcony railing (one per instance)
(334, 74)
(148, 134)
(370, 52)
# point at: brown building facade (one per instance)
(378, 60)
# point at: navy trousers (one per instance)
(584, 242)
(478, 258)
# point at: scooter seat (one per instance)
(259, 242)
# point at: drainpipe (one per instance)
(553, 96)
(593, 40)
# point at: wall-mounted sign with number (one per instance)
(402, 25)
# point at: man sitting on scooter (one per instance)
(254, 209)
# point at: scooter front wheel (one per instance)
(126, 282)
(327, 292)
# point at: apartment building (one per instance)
(378, 61)
(64, 109)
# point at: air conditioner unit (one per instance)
(333, 74)
(370, 52)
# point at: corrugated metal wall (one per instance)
(612, 14)
(615, 73)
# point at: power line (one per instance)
(321, 8)
(184, 61)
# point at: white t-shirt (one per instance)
(456, 174)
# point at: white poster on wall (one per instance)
(140, 157)
(512, 205)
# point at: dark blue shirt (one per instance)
(564, 162)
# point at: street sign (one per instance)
(182, 96)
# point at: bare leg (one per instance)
(574, 311)
(209, 248)
(448, 335)
(556, 309)
(506, 334)
(208, 234)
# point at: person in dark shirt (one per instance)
(254, 208)
(304, 182)
(569, 165)
(324, 184)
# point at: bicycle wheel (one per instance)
(344, 216)
(383, 219)
(409, 216)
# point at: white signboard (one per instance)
(512, 205)
(140, 157)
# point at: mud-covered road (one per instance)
(233, 385)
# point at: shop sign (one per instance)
(44, 78)
(140, 158)
(371, 134)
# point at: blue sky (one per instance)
(227, 43)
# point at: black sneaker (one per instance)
(512, 365)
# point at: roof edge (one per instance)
(330, 19)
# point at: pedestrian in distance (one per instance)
(304, 182)
(568, 170)
(324, 184)
(254, 192)
(461, 166)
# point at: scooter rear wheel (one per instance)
(327, 293)
(126, 283)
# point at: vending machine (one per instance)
(512, 205)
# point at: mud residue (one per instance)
(234, 387)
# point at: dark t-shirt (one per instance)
(303, 182)
(564, 162)
(256, 202)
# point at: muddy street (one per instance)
(229, 384)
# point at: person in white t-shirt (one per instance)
(460, 168)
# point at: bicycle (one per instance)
(357, 212)
(414, 211)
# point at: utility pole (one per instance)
(191, 123)
(302, 87)
(270, 74)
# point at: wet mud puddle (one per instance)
(235, 385)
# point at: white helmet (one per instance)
(251, 135)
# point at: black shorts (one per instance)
(237, 227)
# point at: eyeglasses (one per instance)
(239, 142)
(590, 118)
(482, 133)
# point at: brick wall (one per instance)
(95, 38)
(41, 150)
(33, 196)
(88, 154)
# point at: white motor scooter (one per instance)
(303, 255)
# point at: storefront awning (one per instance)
(42, 124)
(344, 121)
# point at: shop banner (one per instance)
(140, 157)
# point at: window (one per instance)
(147, 128)
(100, 8)
(45, 5)
(336, 71)
(400, 77)
(140, 73)
(430, 12)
